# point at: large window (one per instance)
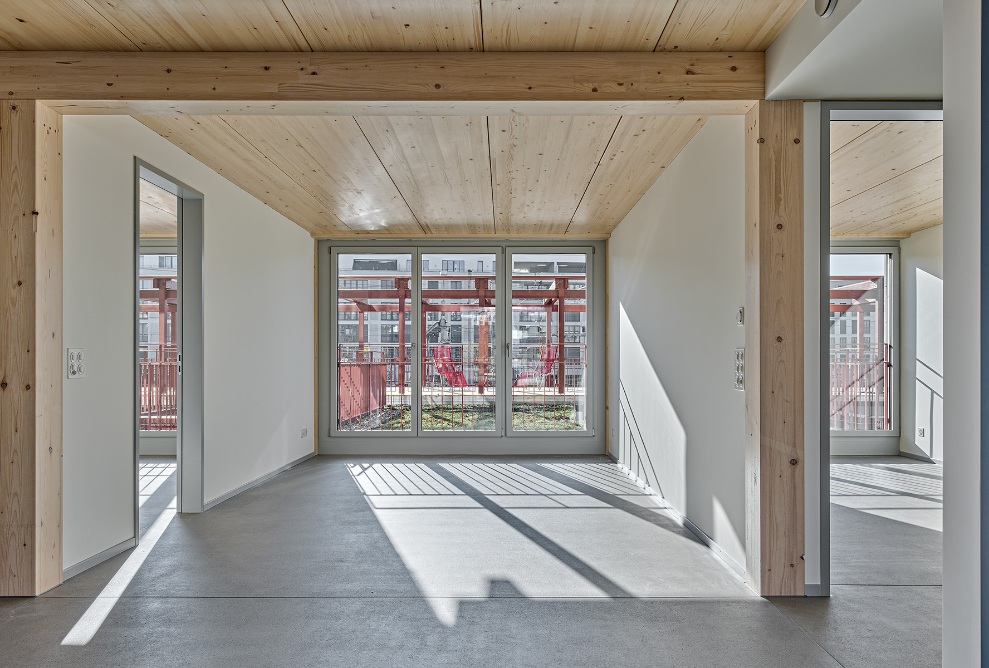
(861, 342)
(374, 352)
(457, 347)
(549, 356)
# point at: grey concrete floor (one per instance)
(885, 604)
(428, 562)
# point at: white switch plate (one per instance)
(76, 363)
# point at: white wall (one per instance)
(676, 279)
(867, 49)
(258, 295)
(922, 343)
(962, 335)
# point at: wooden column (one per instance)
(30, 348)
(774, 396)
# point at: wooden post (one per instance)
(774, 396)
(30, 348)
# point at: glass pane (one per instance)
(859, 343)
(549, 341)
(374, 352)
(458, 333)
(157, 342)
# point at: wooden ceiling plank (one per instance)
(214, 143)
(440, 165)
(902, 223)
(385, 77)
(886, 151)
(575, 25)
(638, 154)
(892, 201)
(204, 25)
(726, 25)
(541, 166)
(332, 161)
(386, 25)
(58, 25)
(845, 132)
(158, 214)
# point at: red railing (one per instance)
(860, 390)
(158, 387)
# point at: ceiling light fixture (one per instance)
(825, 8)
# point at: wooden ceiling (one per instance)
(158, 213)
(387, 25)
(886, 177)
(339, 176)
(573, 170)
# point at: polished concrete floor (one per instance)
(426, 562)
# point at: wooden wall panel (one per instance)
(638, 153)
(30, 348)
(541, 166)
(387, 25)
(440, 164)
(774, 379)
(575, 25)
(726, 25)
(330, 158)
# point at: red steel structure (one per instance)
(362, 369)
(158, 363)
(861, 375)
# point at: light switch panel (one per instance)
(739, 368)
(76, 363)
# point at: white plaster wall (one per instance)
(258, 295)
(922, 343)
(867, 49)
(962, 335)
(676, 279)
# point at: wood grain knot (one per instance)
(793, 462)
(27, 387)
(779, 339)
(3, 385)
(796, 140)
(779, 226)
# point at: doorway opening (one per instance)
(882, 399)
(168, 342)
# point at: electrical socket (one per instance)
(305, 432)
(76, 363)
(920, 432)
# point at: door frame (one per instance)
(190, 492)
(841, 110)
